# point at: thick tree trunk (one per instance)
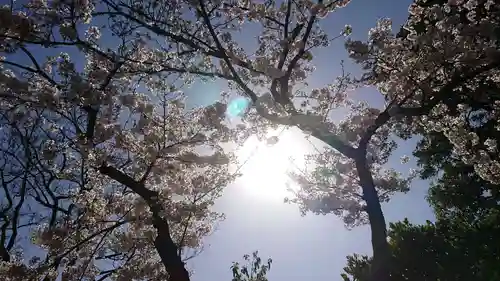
(4, 254)
(168, 252)
(381, 253)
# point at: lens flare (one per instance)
(238, 107)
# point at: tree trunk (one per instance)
(165, 246)
(4, 254)
(168, 252)
(381, 253)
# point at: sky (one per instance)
(311, 247)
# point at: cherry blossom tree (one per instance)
(102, 164)
(282, 61)
(419, 75)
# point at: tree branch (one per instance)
(458, 79)
(221, 49)
(163, 242)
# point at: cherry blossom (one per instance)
(121, 174)
(141, 171)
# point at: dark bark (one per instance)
(381, 253)
(165, 246)
(4, 254)
(168, 251)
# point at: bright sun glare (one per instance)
(265, 167)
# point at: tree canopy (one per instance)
(445, 250)
(96, 134)
(454, 155)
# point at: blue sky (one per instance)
(311, 247)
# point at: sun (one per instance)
(265, 168)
